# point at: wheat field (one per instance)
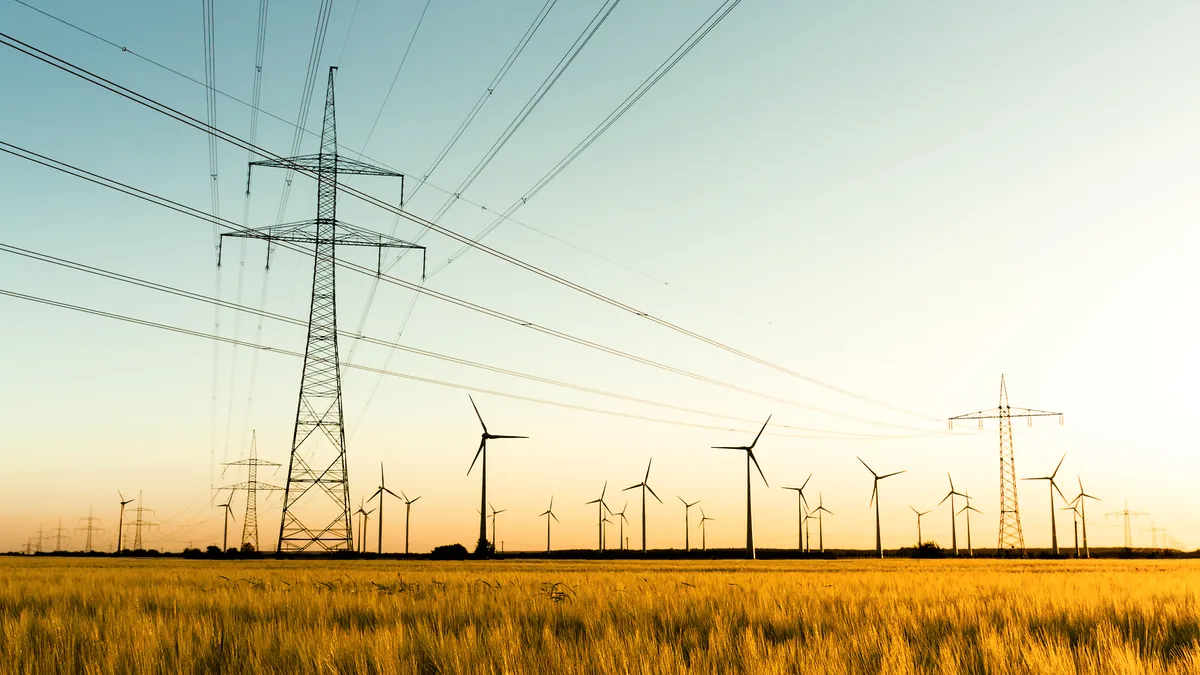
(178, 616)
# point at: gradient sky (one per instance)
(904, 201)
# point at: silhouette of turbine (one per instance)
(749, 449)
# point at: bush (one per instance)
(449, 552)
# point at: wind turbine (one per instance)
(362, 537)
(121, 520)
(1053, 487)
(225, 536)
(549, 513)
(1083, 514)
(600, 507)
(875, 501)
(919, 514)
(953, 513)
(820, 511)
(407, 510)
(380, 494)
(644, 485)
(703, 529)
(494, 519)
(967, 510)
(622, 544)
(483, 502)
(801, 504)
(687, 525)
(750, 553)
(1074, 523)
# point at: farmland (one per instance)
(179, 616)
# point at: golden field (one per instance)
(177, 616)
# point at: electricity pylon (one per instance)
(251, 488)
(1011, 538)
(87, 546)
(320, 518)
(140, 523)
(1127, 513)
(58, 536)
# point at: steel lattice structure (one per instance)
(251, 488)
(320, 517)
(1011, 539)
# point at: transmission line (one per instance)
(396, 77)
(264, 314)
(188, 120)
(201, 215)
(420, 182)
(275, 350)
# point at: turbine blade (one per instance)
(805, 483)
(685, 504)
(951, 481)
(647, 478)
(760, 431)
(482, 443)
(499, 436)
(477, 413)
(1055, 486)
(894, 473)
(415, 500)
(868, 468)
(594, 501)
(760, 471)
(945, 498)
(604, 490)
(874, 490)
(632, 487)
(1056, 468)
(729, 447)
(652, 492)
(555, 518)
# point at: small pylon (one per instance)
(251, 488)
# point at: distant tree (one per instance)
(483, 548)
(930, 549)
(212, 551)
(449, 552)
(248, 548)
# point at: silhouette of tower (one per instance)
(316, 499)
(1011, 538)
(58, 536)
(140, 523)
(1126, 513)
(91, 525)
(251, 488)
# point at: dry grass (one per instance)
(174, 616)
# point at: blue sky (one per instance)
(902, 201)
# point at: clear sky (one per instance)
(902, 200)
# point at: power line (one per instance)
(201, 215)
(422, 181)
(275, 350)
(396, 77)
(225, 304)
(164, 109)
(661, 71)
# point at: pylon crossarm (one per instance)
(311, 163)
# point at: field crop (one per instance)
(177, 616)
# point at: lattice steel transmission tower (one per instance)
(1126, 513)
(58, 536)
(251, 488)
(320, 517)
(140, 523)
(89, 528)
(1011, 539)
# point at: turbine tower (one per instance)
(919, 514)
(120, 522)
(622, 543)
(1053, 515)
(316, 500)
(749, 449)
(1079, 501)
(407, 511)
(967, 510)
(1011, 538)
(482, 545)
(953, 513)
(875, 501)
(548, 513)
(703, 525)
(820, 511)
(601, 505)
(251, 488)
(687, 524)
(644, 485)
(225, 532)
(801, 504)
(380, 493)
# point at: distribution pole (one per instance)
(1011, 539)
(251, 488)
(320, 518)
